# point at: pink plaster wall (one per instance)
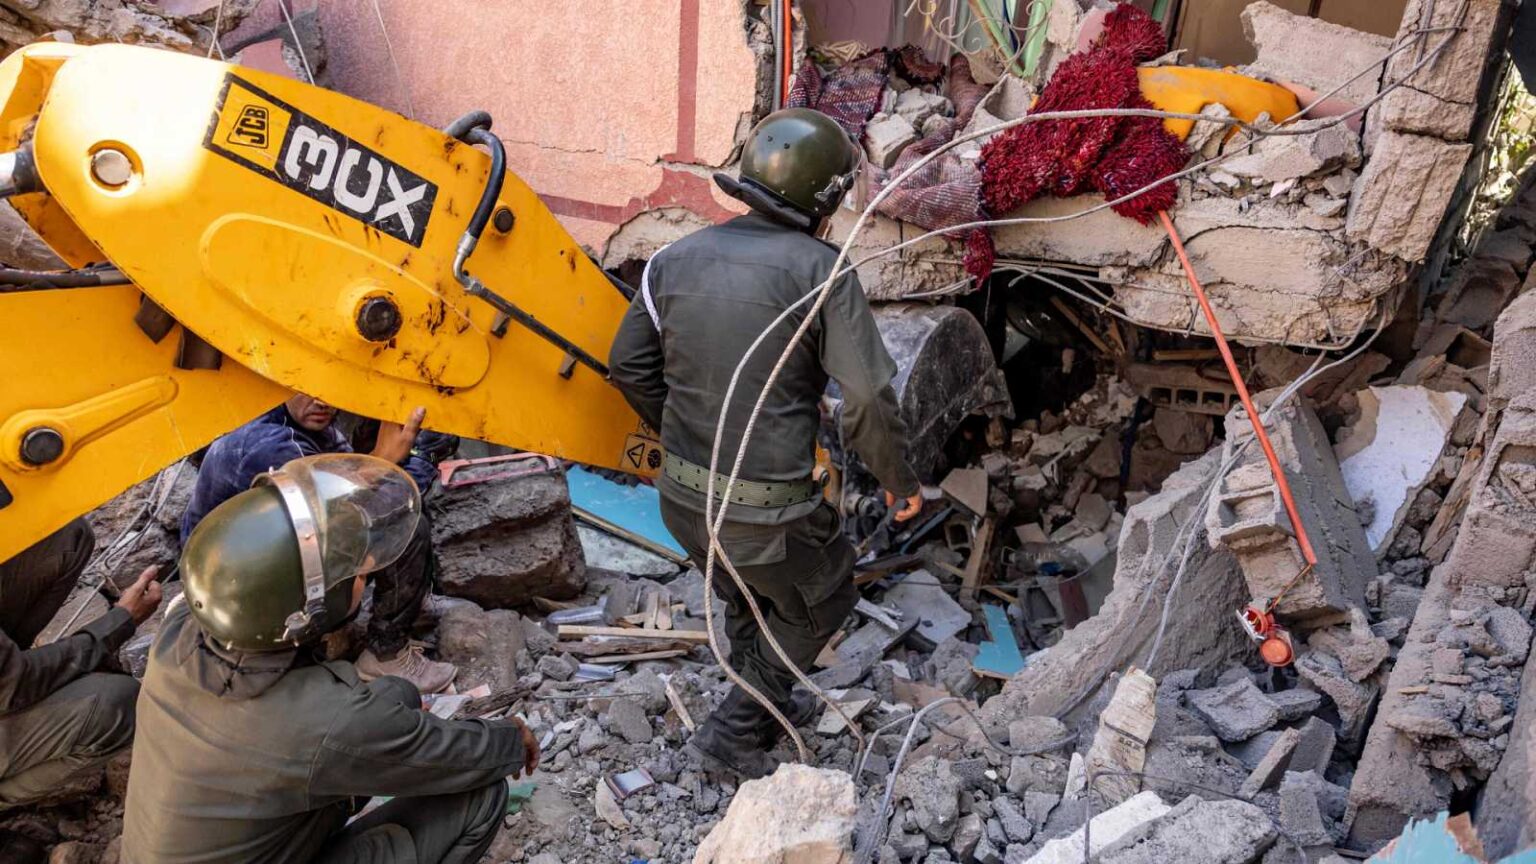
(600, 106)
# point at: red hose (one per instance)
(1242, 392)
(789, 50)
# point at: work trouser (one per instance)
(398, 592)
(35, 582)
(451, 829)
(81, 725)
(74, 731)
(800, 573)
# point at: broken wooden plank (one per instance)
(620, 646)
(981, 547)
(619, 659)
(677, 705)
(578, 631)
(664, 610)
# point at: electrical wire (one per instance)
(714, 521)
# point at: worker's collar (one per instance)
(766, 203)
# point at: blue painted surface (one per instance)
(633, 508)
(1430, 842)
(1000, 655)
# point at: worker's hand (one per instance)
(914, 506)
(396, 439)
(530, 748)
(142, 598)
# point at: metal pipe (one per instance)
(18, 173)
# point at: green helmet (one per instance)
(803, 158)
(273, 567)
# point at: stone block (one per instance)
(1440, 98)
(1353, 699)
(1212, 832)
(1512, 370)
(1402, 194)
(1315, 748)
(1296, 703)
(886, 137)
(1235, 711)
(798, 813)
(1272, 765)
(1127, 621)
(1246, 515)
(1103, 238)
(1313, 52)
(501, 543)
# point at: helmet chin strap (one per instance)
(758, 197)
(306, 622)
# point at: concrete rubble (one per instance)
(1094, 485)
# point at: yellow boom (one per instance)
(314, 240)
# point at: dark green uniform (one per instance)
(58, 717)
(703, 300)
(262, 757)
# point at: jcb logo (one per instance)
(321, 163)
(251, 127)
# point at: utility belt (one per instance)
(751, 493)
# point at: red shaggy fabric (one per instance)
(1110, 155)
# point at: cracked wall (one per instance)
(606, 117)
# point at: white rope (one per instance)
(389, 47)
(840, 267)
(218, 24)
(298, 44)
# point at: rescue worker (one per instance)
(59, 717)
(702, 301)
(251, 749)
(306, 426)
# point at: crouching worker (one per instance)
(59, 717)
(250, 749)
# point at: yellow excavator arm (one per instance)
(238, 234)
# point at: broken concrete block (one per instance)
(799, 813)
(918, 105)
(1104, 829)
(1272, 765)
(1403, 193)
(1314, 750)
(1247, 516)
(1182, 431)
(1127, 621)
(886, 136)
(1015, 825)
(1235, 711)
(1102, 238)
(502, 543)
(1353, 699)
(932, 788)
(1512, 369)
(1310, 808)
(1218, 832)
(483, 644)
(1359, 651)
(929, 268)
(1510, 629)
(1313, 52)
(1120, 743)
(1292, 157)
(1390, 452)
(1296, 703)
(1440, 99)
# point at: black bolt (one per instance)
(41, 445)
(378, 320)
(504, 220)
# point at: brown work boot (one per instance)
(429, 676)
